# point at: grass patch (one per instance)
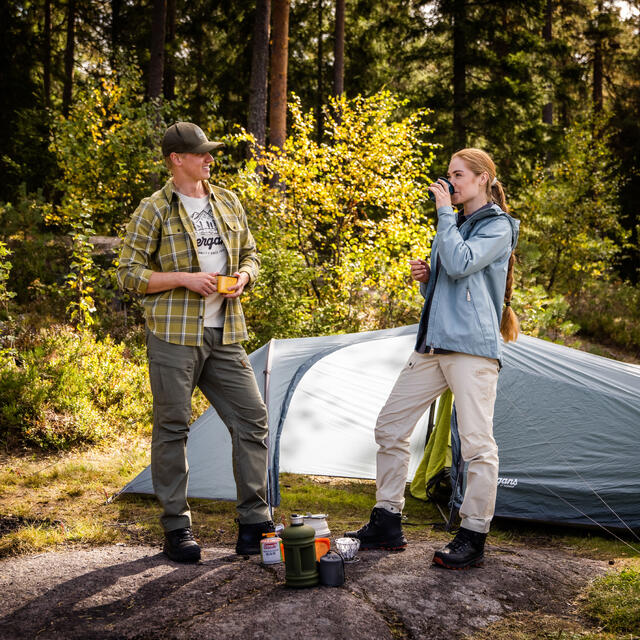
(613, 601)
(590, 543)
(33, 538)
(538, 626)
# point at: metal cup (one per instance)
(451, 189)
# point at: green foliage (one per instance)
(82, 275)
(342, 218)
(39, 258)
(543, 315)
(65, 388)
(5, 269)
(108, 151)
(571, 229)
(610, 310)
(613, 601)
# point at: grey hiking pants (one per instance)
(223, 373)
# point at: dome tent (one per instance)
(567, 424)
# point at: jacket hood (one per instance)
(493, 212)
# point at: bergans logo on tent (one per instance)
(508, 482)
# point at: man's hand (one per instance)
(420, 270)
(243, 281)
(201, 282)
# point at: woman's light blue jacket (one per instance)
(468, 298)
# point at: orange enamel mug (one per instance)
(323, 545)
(225, 282)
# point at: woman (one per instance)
(458, 346)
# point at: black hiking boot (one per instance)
(464, 551)
(383, 531)
(249, 536)
(181, 546)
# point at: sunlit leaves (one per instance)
(352, 208)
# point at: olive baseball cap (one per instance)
(186, 137)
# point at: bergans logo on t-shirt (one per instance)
(208, 238)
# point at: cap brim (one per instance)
(207, 147)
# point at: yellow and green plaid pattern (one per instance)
(160, 237)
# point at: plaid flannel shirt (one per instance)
(161, 237)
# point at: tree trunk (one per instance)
(319, 87)
(116, 30)
(169, 86)
(46, 55)
(257, 118)
(68, 57)
(338, 51)
(156, 61)
(279, 59)
(597, 61)
(547, 34)
(459, 73)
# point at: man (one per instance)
(177, 242)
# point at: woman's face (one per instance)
(466, 184)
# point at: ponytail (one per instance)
(509, 325)
(496, 195)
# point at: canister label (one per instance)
(270, 550)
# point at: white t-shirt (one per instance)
(212, 254)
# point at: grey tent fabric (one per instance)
(567, 424)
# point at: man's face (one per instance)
(194, 166)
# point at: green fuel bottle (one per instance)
(298, 540)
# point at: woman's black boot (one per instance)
(464, 551)
(383, 531)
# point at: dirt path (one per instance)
(131, 593)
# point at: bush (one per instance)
(5, 268)
(571, 227)
(108, 151)
(63, 388)
(610, 312)
(336, 222)
(542, 315)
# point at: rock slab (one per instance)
(135, 593)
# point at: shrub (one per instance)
(108, 151)
(610, 311)
(5, 268)
(336, 222)
(542, 315)
(570, 213)
(65, 388)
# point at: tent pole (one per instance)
(267, 377)
(432, 414)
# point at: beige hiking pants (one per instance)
(473, 380)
